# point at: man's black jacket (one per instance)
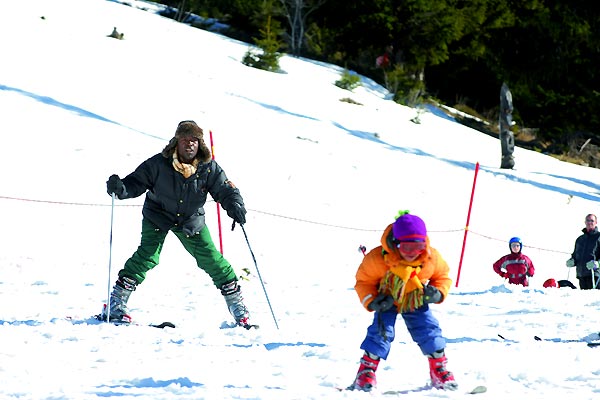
(175, 202)
(587, 248)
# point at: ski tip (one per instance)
(163, 325)
(537, 338)
(478, 389)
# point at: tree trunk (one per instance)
(507, 139)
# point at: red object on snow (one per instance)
(550, 283)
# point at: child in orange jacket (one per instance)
(403, 276)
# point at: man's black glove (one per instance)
(431, 294)
(237, 212)
(115, 185)
(382, 302)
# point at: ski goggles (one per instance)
(411, 248)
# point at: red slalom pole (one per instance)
(462, 253)
(212, 152)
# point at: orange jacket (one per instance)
(385, 261)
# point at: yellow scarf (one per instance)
(402, 283)
(186, 170)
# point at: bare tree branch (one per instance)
(297, 12)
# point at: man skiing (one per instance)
(177, 182)
(403, 276)
(516, 266)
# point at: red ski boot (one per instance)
(441, 378)
(365, 377)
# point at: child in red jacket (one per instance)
(516, 266)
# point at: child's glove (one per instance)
(570, 263)
(592, 265)
(431, 294)
(382, 302)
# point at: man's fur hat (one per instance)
(186, 129)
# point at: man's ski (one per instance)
(227, 325)
(98, 319)
(162, 325)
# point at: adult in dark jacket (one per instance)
(586, 254)
(177, 182)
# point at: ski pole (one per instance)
(362, 249)
(259, 277)
(462, 253)
(112, 213)
(212, 152)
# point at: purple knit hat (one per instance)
(409, 228)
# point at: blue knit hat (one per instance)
(409, 228)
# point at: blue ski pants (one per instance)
(421, 324)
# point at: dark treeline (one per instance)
(457, 51)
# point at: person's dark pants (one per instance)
(585, 282)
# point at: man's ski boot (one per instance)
(232, 293)
(118, 301)
(365, 377)
(441, 378)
